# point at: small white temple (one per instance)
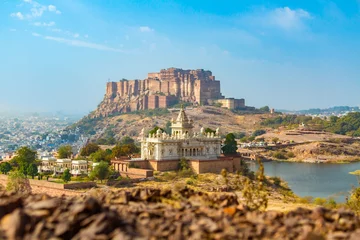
(183, 142)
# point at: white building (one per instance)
(62, 164)
(47, 164)
(79, 167)
(183, 142)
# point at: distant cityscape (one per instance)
(42, 132)
(338, 111)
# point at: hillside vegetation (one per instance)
(130, 124)
(346, 125)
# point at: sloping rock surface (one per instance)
(156, 214)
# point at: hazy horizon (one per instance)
(58, 55)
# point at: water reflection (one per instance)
(317, 180)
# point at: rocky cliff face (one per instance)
(159, 90)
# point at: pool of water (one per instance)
(315, 179)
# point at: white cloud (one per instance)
(76, 35)
(18, 15)
(287, 18)
(56, 30)
(283, 18)
(53, 8)
(145, 29)
(36, 34)
(12, 30)
(78, 43)
(37, 10)
(86, 36)
(127, 37)
(44, 24)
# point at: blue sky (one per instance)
(58, 54)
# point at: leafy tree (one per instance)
(154, 130)
(168, 127)
(209, 130)
(265, 109)
(89, 149)
(32, 170)
(18, 182)
(230, 146)
(101, 171)
(101, 155)
(5, 167)
(66, 176)
(124, 150)
(25, 157)
(65, 151)
(275, 140)
(127, 140)
(258, 132)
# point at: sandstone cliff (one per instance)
(159, 90)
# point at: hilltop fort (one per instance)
(164, 89)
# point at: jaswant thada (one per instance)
(162, 152)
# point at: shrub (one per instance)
(290, 155)
(276, 181)
(279, 155)
(255, 193)
(306, 199)
(353, 201)
(66, 176)
(331, 203)
(189, 182)
(319, 201)
(17, 182)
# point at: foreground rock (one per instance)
(155, 214)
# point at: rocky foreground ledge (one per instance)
(156, 214)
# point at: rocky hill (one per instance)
(159, 90)
(131, 123)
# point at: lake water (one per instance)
(315, 179)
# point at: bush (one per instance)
(279, 155)
(306, 199)
(353, 201)
(255, 193)
(189, 182)
(276, 181)
(331, 203)
(66, 176)
(17, 182)
(290, 155)
(320, 201)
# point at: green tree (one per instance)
(209, 130)
(5, 167)
(89, 149)
(32, 170)
(258, 132)
(230, 144)
(25, 157)
(127, 140)
(18, 182)
(124, 150)
(101, 171)
(65, 151)
(265, 109)
(168, 127)
(275, 140)
(101, 155)
(154, 130)
(66, 176)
